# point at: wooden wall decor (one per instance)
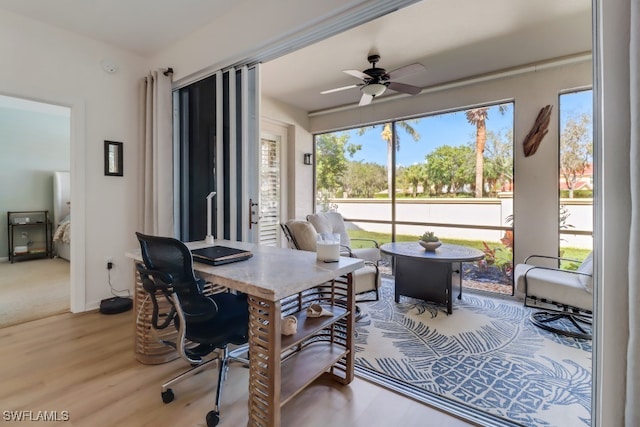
(537, 132)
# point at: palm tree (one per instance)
(478, 117)
(387, 136)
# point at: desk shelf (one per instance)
(303, 367)
(283, 366)
(309, 326)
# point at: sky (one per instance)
(450, 129)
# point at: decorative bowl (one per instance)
(429, 246)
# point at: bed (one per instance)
(62, 214)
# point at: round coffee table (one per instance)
(427, 275)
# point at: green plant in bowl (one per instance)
(429, 236)
(429, 241)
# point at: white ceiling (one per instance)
(142, 26)
(453, 39)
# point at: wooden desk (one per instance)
(278, 282)
(426, 274)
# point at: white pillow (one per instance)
(587, 268)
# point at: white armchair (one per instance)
(333, 222)
(302, 235)
(564, 294)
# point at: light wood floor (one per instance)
(84, 364)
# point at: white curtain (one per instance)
(632, 409)
(156, 158)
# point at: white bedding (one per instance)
(63, 233)
(62, 214)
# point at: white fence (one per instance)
(485, 213)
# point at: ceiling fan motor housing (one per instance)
(378, 75)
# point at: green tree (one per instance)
(331, 161)
(498, 167)
(415, 175)
(576, 150)
(364, 179)
(450, 167)
(387, 136)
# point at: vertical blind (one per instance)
(218, 116)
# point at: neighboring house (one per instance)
(53, 65)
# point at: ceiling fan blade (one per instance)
(365, 100)
(405, 71)
(358, 74)
(404, 88)
(324, 92)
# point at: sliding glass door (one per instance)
(218, 152)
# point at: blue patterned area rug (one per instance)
(486, 355)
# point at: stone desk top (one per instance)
(272, 273)
(445, 253)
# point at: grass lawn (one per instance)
(572, 253)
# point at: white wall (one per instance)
(40, 62)
(536, 177)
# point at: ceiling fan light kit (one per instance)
(374, 89)
(375, 81)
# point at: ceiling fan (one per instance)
(375, 81)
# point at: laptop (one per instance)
(218, 255)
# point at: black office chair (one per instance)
(204, 323)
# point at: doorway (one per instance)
(36, 143)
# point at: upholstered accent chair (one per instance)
(302, 235)
(333, 222)
(565, 295)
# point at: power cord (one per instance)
(115, 292)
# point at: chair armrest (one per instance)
(346, 249)
(372, 264)
(526, 260)
(537, 267)
(361, 239)
(163, 280)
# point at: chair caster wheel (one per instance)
(167, 396)
(213, 418)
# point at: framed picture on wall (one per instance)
(113, 158)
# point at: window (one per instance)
(450, 173)
(576, 174)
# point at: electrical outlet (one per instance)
(109, 263)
